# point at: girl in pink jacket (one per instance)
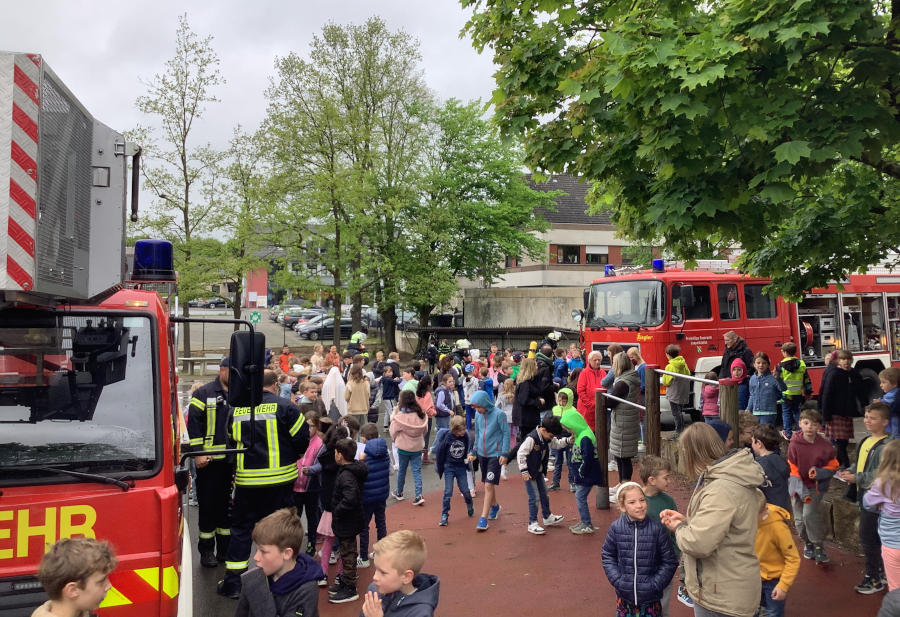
(408, 429)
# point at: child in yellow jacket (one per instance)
(779, 559)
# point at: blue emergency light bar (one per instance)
(609, 270)
(153, 261)
(659, 265)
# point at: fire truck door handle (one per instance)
(778, 344)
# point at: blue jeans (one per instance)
(458, 473)
(743, 395)
(774, 608)
(767, 418)
(372, 509)
(581, 495)
(414, 461)
(790, 414)
(441, 422)
(559, 456)
(470, 417)
(537, 489)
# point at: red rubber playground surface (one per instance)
(508, 571)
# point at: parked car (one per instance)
(273, 312)
(215, 302)
(290, 315)
(324, 329)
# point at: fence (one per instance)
(728, 410)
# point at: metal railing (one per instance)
(629, 403)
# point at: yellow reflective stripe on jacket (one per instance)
(237, 439)
(297, 425)
(265, 477)
(272, 443)
(210, 423)
(197, 441)
(198, 403)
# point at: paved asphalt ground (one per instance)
(506, 570)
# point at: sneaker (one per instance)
(338, 583)
(192, 501)
(470, 509)
(494, 513)
(482, 524)
(821, 555)
(362, 563)
(553, 519)
(444, 519)
(418, 501)
(883, 578)
(333, 558)
(536, 529)
(785, 435)
(344, 594)
(231, 591)
(684, 598)
(869, 585)
(398, 496)
(809, 551)
(553, 486)
(612, 466)
(580, 528)
(571, 488)
(323, 582)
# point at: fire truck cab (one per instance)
(651, 309)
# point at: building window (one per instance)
(595, 254)
(512, 262)
(568, 254)
(759, 305)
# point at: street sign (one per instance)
(254, 317)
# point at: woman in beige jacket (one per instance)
(718, 534)
(357, 394)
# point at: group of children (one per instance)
(75, 574)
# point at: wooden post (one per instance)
(601, 496)
(728, 406)
(652, 424)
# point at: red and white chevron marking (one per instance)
(20, 101)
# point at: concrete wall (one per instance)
(510, 307)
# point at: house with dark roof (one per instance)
(579, 245)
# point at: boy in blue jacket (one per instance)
(451, 446)
(585, 468)
(490, 447)
(376, 488)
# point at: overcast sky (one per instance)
(102, 50)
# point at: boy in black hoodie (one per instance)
(284, 583)
(348, 520)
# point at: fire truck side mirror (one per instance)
(247, 362)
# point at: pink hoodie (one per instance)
(408, 431)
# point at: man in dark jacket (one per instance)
(545, 376)
(736, 347)
(347, 521)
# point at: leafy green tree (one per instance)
(476, 208)
(768, 124)
(176, 168)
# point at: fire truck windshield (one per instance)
(626, 303)
(76, 393)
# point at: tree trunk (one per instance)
(356, 311)
(389, 323)
(424, 312)
(236, 307)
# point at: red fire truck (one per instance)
(90, 425)
(654, 308)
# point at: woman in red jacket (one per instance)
(588, 383)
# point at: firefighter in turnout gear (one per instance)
(264, 478)
(209, 417)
